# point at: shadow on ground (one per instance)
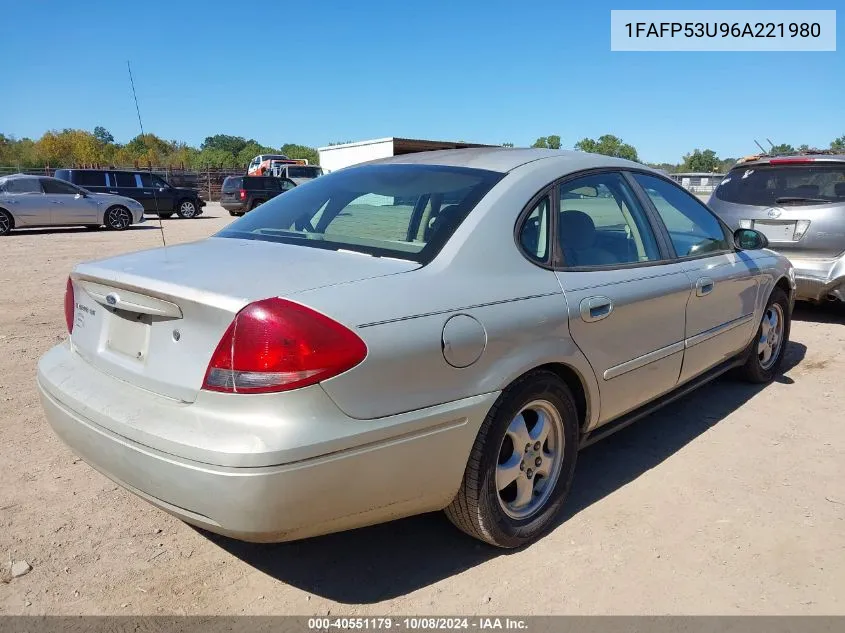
(827, 312)
(22, 233)
(385, 561)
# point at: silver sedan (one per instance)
(30, 201)
(442, 330)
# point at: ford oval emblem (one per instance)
(111, 299)
(774, 213)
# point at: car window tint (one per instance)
(50, 185)
(693, 228)
(158, 182)
(534, 234)
(144, 180)
(232, 183)
(90, 178)
(125, 180)
(767, 185)
(600, 223)
(371, 209)
(287, 184)
(271, 184)
(23, 185)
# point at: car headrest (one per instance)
(839, 189)
(577, 230)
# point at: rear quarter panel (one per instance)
(479, 273)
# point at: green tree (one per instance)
(548, 142)
(702, 161)
(608, 145)
(783, 148)
(225, 142)
(103, 135)
(292, 150)
(804, 148)
(838, 144)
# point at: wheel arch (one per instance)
(576, 383)
(10, 214)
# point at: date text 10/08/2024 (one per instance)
(723, 29)
(416, 623)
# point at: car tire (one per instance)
(765, 353)
(187, 209)
(7, 222)
(487, 507)
(255, 203)
(117, 218)
(93, 227)
(165, 216)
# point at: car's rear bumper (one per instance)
(820, 279)
(234, 207)
(360, 472)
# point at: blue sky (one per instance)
(485, 71)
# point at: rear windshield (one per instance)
(403, 211)
(766, 185)
(303, 172)
(232, 183)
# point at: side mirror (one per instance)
(161, 189)
(79, 195)
(750, 240)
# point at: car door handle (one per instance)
(110, 191)
(595, 308)
(704, 286)
(147, 193)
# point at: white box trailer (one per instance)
(336, 157)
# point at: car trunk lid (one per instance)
(154, 318)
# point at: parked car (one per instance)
(152, 191)
(30, 201)
(240, 194)
(297, 173)
(798, 202)
(357, 360)
(262, 164)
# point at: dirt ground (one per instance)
(730, 501)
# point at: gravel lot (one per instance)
(731, 501)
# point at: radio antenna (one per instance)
(144, 144)
(760, 146)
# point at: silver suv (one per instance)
(798, 203)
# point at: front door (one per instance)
(720, 315)
(68, 204)
(626, 297)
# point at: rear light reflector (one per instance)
(277, 345)
(70, 306)
(242, 194)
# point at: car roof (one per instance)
(504, 159)
(785, 159)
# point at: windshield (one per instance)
(403, 211)
(766, 185)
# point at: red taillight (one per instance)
(277, 345)
(69, 306)
(796, 159)
(242, 193)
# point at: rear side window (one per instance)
(23, 185)
(232, 183)
(767, 185)
(375, 209)
(693, 228)
(90, 179)
(125, 180)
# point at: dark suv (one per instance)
(152, 191)
(240, 194)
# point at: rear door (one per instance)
(68, 204)
(720, 316)
(625, 295)
(27, 202)
(90, 179)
